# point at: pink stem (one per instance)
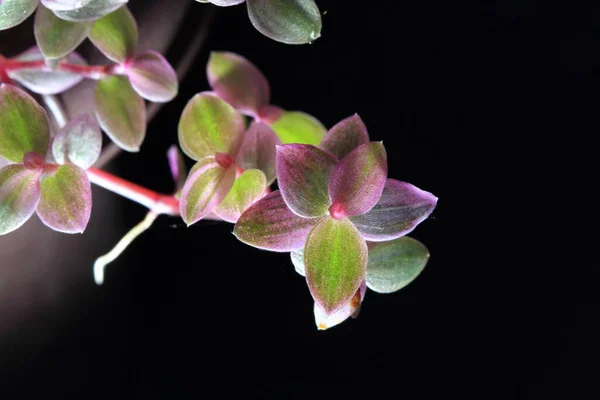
(87, 71)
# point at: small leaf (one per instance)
(66, 202)
(393, 265)
(46, 81)
(286, 21)
(23, 124)
(269, 225)
(116, 35)
(152, 77)
(92, 11)
(222, 3)
(19, 196)
(298, 127)
(209, 125)
(247, 190)
(238, 82)
(303, 173)
(297, 257)
(356, 183)
(351, 309)
(258, 150)
(65, 4)
(55, 37)
(400, 209)
(177, 167)
(79, 142)
(335, 257)
(345, 136)
(13, 12)
(121, 112)
(206, 186)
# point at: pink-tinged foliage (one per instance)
(303, 173)
(345, 136)
(258, 150)
(399, 210)
(79, 142)
(247, 190)
(357, 181)
(269, 224)
(176, 166)
(19, 196)
(324, 321)
(152, 77)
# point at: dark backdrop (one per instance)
(464, 97)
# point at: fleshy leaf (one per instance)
(345, 136)
(238, 82)
(23, 124)
(177, 167)
(152, 77)
(121, 112)
(393, 265)
(286, 21)
(66, 201)
(298, 127)
(399, 210)
(358, 180)
(65, 4)
(19, 196)
(209, 125)
(206, 186)
(46, 81)
(13, 12)
(303, 173)
(222, 3)
(246, 190)
(297, 257)
(335, 257)
(92, 11)
(269, 225)
(325, 321)
(116, 35)
(79, 142)
(56, 37)
(258, 150)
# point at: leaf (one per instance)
(79, 142)
(237, 81)
(206, 186)
(222, 3)
(13, 12)
(247, 190)
(286, 21)
(55, 37)
(258, 150)
(177, 167)
(345, 136)
(393, 265)
(269, 225)
(23, 124)
(65, 4)
(351, 309)
(335, 257)
(152, 77)
(116, 35)
(19, 196)
(297, 257)
(66, 202)
(209, 125)
(46, 81)
(298, 127)
(303, 173)
(121, 112)
(400, 209)
(357, 182)
(92, 11)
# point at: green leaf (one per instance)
(23, 124)
(19, 196)
(335, 258)
(246, 190)
(92, 11)
(13, 12)
(55, 37)
(116, 35)
(79, 142)
(121, 112)
(395, 264)
(298, 127)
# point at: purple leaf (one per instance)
(358, 180)
(400, 209)
(247, 190)
(66, 201)
(325, 321)
(177, 166)
(269, 225)
(345, 136)
(238, 82)
(303, 173)
(19, 196)
(258, 150)
(79, 142)
(152, 77)
(65, 5)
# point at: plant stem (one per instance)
(86, 71)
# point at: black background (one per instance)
(469, 99)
